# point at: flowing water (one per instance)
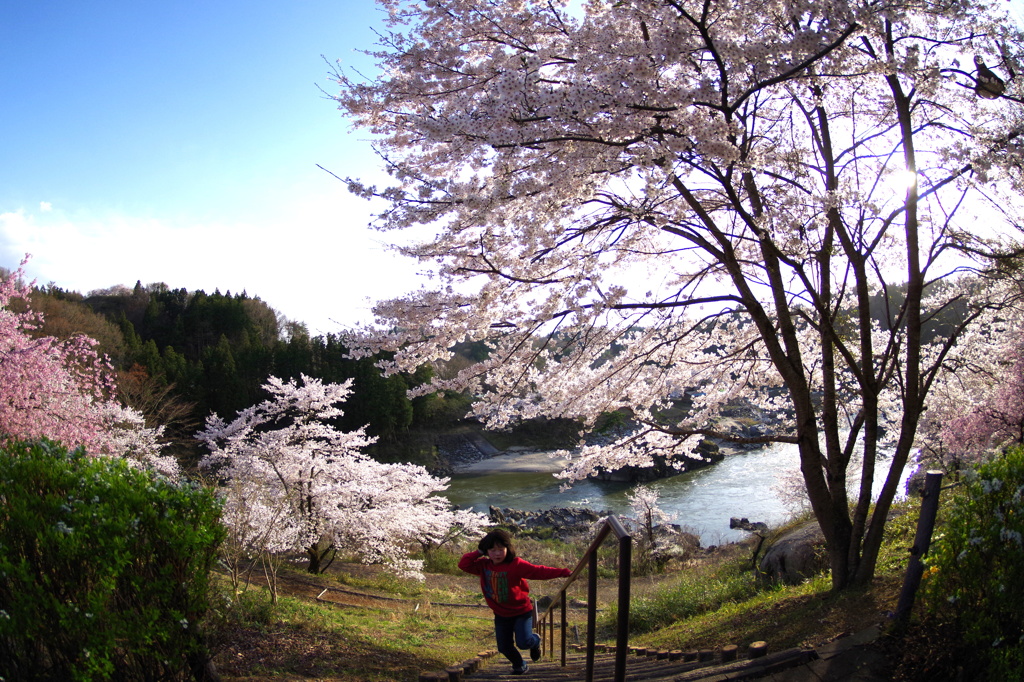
(747, 484)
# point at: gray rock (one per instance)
(795, 555)
(744, 524)
(564, 521)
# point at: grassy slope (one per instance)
(713, 601)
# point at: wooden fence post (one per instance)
(923, 538)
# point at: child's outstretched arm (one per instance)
(538, 572)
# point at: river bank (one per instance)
(513, 460)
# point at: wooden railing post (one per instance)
(622, 629)
(922, 539)
(565, 626)
(591, 614)
(589, 560)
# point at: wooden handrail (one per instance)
(589, 561)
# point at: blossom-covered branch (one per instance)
(663, 203)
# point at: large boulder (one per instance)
(795, 555)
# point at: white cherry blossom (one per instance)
(295, 481)
(644, 198)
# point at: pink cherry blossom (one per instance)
(60, 389)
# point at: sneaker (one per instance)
(535, 653)
(521, 671)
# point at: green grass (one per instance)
(692, 594)
(703, 606)
(782, 616)
(381, 581)
(725, 604)
(300, 637)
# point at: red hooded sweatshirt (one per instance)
(504, 585)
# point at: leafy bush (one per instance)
(253, 610)
(103, 568)
(975, 577)
(441, 560)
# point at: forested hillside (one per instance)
(181, 355)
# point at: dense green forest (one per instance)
(181, 356)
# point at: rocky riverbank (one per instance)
(457, 451)
(569, 524)
(563, 522)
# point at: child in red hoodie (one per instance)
(503, 581)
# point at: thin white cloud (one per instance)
(315, 262)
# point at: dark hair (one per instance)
(498, 537)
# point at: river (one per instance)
(745, 484)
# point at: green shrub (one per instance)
(975, 575)
(441, 560)
(104, 569)
(247, 610)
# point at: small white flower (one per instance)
(64, 528)
(184, 623)
(993, 486)
(1009, 535)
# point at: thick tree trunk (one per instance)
(318, 555)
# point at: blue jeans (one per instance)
(513, 631)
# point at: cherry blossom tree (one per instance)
(643, 501)
(979, 410)
(259, 529)
(124, 434)
(47, 387)
(60, 388)
(998, 421)
(336, 498)
(636, 199)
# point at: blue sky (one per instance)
(179, 142)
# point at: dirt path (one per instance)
(325, 590)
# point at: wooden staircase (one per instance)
(619, 662)
(727, 663)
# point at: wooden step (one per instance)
(727, 663)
